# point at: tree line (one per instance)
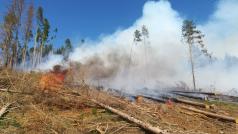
(190, 36)
(26, 36)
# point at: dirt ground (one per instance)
(70, 111)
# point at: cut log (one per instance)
(4, 109)
(142, 124)
(192, 103)
(195, 92)
(154, 99)
(222, 117)
(191, 96)
(225, 98)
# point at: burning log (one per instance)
(222, 117)
(142, 124)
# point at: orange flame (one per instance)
(54, 80)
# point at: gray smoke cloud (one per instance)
(116, 62)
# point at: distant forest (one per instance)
(26, 36)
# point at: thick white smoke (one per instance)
(163, 61)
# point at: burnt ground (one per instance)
(70, 111)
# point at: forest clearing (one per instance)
(118, 67)
(78, 109)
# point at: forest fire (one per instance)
(157, 66)
(53, 80)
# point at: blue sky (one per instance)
(79, 19)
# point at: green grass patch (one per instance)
(4, 123)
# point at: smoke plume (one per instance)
(116, 61)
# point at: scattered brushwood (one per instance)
(222, 117)
(142, 124)
(166, 99)
(189, 102)
(63, 111)
(69, 110)
(206, 95)
(4, 90)
(225, 98)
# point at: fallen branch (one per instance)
(16, 92)
(154, 99)
(223, 117)
(4, 89)
(4, 109)
(195, 92)
(132, 119)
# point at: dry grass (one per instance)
(66, 112)
(36, 112)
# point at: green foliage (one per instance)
(94, 111)
(39, 15)
(65, 49)
(68, 45)
(193, 36)
(4, 123)
(47, 49)
(190, 33)
(46, 28)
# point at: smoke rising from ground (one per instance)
(116, 62)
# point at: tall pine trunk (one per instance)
(192, 65)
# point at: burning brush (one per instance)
(53, 80)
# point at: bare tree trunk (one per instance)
(192, 65)
(5, 60)
(24, 54)
(14, 53)
(34, 58)
(40, 54)
(145, 64)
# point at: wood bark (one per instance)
(222, 117)
(195, 92)
(154, 99)
(192, 103)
